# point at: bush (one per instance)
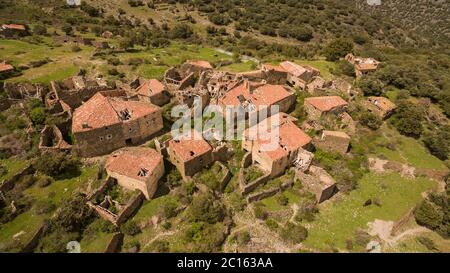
(260, 212)
(272, 224)
(427, 242)
(75, 48)
(428, 214)
(438, 142)
(294, 233)
(40, 30)
(44, 181)
(58, 163)
(282, 200)
(408, 119)
(370, 120)
(205, 208)
(371, 87)
(159, 246)
(169, 210)
(338, 48)
(130, 228)
(181, 31)
(38, 116)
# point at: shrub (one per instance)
(371, 87)
(130, 228)
(428, 214)
(408, 119)
(272, 224)
(57, 163)
(427, 242)
(260, 212)
(370, 120)
(205, 208)
(337, 48)
(75, 48)
(181, 31)
(294, 233)
(169, 210)
(44, 181)
(282, 200)
(40, 30)
(38, 116)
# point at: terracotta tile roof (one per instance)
(291, 137)
(273, 67)
(187, 148)
(200, 63)
(293, 68)
(151, 87)
(101, 111)
(326, 103)
(382, 103)
(264, 95)
(131, 161)
(14, 26)
(5, 67)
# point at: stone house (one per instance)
(380, 106)
(362, 65)
(317, 107)
(319, 182)
(176, 80)
(153, 91)
(136, 168)
(333, 141)
(256, 96)
(77, 89)
(195, 66)
(52, 139)
(12, 30)
(188, 95)
(275, 157)
(5, 68)
(190, 154)
(104, 124)
(299, 76)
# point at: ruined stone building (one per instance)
(319, 182)
(5, 68)
(136, 168)
(153, 91)
(255, 96)
(190, 154)
(299, 76)
(20, 91)
(188, 95)
(274, 155)
(195, 66)
(271, 74)
(218, 83)
(318, 107)
(362, 65)
(52, 139)
(104, 124)
(333, 141)
(380, 106)
(176, 80)
(77, 89)
(12, 30)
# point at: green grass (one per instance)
(152, 207)
(62, 188)
(339, 221)
(239, 67)
(272, 204)
(27, 222)
(97, 243)
(12, 165)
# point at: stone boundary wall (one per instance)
(247, 188)
(270, 192)
(130, 208)
(246, 160)
(108, 182)
(402, 221)
(33, 242)
(115, 243)
(226, 175)
(8, 184)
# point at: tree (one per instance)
(67, 29)
(205, 208)
(429, 215)
(337, 48)
(181, 31)
(131, 228)
(126, 43)
(408, 119)
(438, 142)
(37, 115)
(57, 163)
(370, 120)
(40, 30)
(371, 87)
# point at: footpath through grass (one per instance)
(338, 221)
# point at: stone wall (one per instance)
(270, 192)
(33, 242)
(246, 160)
(247, 188)
(115, 243)
(8, 184)
(130, 208)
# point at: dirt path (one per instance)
(162, 234)
(383, 230)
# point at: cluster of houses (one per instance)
(114, 119)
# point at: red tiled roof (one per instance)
(130, 161)
(14, 26)
(151, 87)
(264, 95)
(187, 148)
(274, 67)
(291, 137)
(326, 103)
(200, 63)
(293, 68)
(5, 67)
(101, 111)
